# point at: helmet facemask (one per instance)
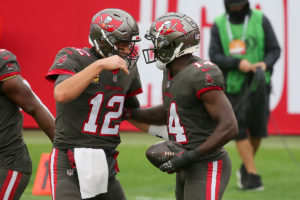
(172, 35)
(130, 57)
(151, 51)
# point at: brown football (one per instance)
(160, 153)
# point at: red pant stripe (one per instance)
(214, 171)
(15, 186)
(5, 184)
(218, 181)
(10, 185)
(208, 180)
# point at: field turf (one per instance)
(142, 181)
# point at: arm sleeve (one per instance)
(272, 48)
(65, 63)
(132, 102)
(211, 79)
(8, 65)
(61, 77)
(216, 52)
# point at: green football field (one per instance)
(142, 181)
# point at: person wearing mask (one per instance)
(244, 46)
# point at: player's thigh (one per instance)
(114, 191)
(63, 178)
(12, 184)
(207, 180)
(67, 189)
(180, 182)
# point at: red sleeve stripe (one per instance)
(201, 91)
(135, 92)
(8, 75)
(51, 74)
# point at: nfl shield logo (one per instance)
(70, 172)
(115, 77)
(168, 84)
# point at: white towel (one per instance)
(92, 171)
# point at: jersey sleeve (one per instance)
(65, 62)
(136, 86)
(9, 66)
(207, 77)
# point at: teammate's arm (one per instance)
(153, 115)
(18, 90)
(72, 87)
(133, 103)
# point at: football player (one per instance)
(92, 87)
(15, 93)
(195, 109)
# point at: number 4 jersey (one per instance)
(91, 120)
(188, 120)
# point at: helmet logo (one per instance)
(63, 59)
(170, 26)
(107, 22)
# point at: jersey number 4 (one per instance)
(90, 126)
(174, 125)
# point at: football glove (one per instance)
(181, 160)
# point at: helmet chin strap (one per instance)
(177, 53)
(160, 65)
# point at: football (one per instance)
(160, 153)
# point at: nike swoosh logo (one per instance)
(5, 58)
(204, 70)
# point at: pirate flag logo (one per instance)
(107, 22)
(169, 26)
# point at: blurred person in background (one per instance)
(92, 87)
(15, 93)
(244, 46)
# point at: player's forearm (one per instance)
(160, 131)
(142, 126)
(45, 120)
(72, 87)
(224, 132)
(152, 115)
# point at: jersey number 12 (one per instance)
(90, 126)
